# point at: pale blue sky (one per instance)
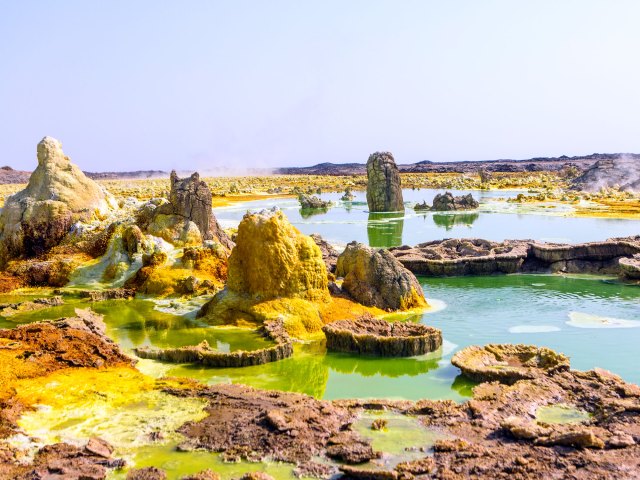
(188, 84)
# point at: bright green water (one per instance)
(563, 414)
(402, 439)
(596, 321)
(538, 309)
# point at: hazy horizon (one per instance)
(206, 85)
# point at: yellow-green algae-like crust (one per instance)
(273, 259)
(508, 363)
(274, 272)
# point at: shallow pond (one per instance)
(596, 321)
(538, 309)
(347, 221)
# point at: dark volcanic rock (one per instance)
(191, 198)
(108, 294)
(445, 202)
(494, 435)
(329, 254)
(384, 189)
(382, 338)
(553, 164)
(462, 257)
(376, 278)
(312, 202)
(62, 461)
(147, 473)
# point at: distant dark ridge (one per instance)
(9, 175)
(467, 166)
(137, 175)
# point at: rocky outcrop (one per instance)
(61, 460)
(497, 434)
(187, 218)
(273, 259)
(329, 253)
(445, 202)
(203, 354)
(79, 341)
(273, 270)
(312, 202)
(245, 423)
(622, 172)
(384, 189)
(376, 278)
(57, 196)
(453, 257)
(508, 363)
(348, 195)
(630, 267)
(594, 257)
(370, 336)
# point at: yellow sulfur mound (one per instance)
(274, 272)
(273, 259)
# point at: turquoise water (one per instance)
(494, 220)
(478, 310)
(596, 321)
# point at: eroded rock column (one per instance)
(384, 190)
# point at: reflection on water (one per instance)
(348, 221)
(448, 221)
(310, 212)
(368, 366)
(385, 229)
(479, 310)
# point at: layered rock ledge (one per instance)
(379, 337)
(203, 354)
(472, 256)
(508, 363)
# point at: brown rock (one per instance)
(376, 278)
(445, 202)
(189, 205)
(508, 363)
(383, 338)
(148, 473)
(329, 254)
(384, 189)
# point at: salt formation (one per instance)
(186, 218)
(274, 272)
(384, 191)
(58, 195)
